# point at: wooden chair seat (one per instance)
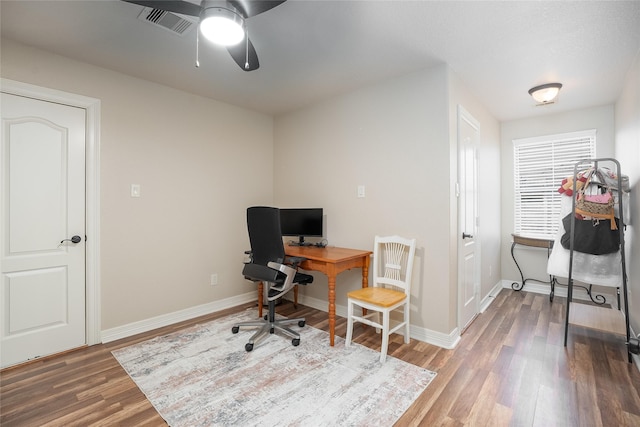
(381, 297)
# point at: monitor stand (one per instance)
(300, 242)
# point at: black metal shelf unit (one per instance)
(579, 166)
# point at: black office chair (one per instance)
(267, 265)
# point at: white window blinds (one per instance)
(539, 166)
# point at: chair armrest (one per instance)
(283, 268)
(288, 284)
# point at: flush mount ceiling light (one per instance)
(545, 94)
(222, 25)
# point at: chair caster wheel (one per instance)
(235, 329)
(295, 342)
(248, 346)
(301, 323)
(272, 331)
(265, 317)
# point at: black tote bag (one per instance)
(591, 236)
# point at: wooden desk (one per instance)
(332, 261)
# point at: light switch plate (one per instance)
(135, 190)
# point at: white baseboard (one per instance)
(486, 301)
(561, 291)
(448, 341)
(124, 331)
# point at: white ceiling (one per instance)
(313, 50)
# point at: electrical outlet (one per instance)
(214, 279)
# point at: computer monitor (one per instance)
(301, 223)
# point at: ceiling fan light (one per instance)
(222, 26)
(546, 93)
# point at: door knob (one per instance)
(466, 236)
(74, 239)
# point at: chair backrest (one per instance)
(263, 224)
(393, 262)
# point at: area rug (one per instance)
(202, 376)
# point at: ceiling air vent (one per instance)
(169, 21)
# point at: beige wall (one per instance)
(391, 138)
(627, 112)
(394, 138)
(199, 162)
(534, 260)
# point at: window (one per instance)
(539, 166)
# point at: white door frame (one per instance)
(92, 176)
(464, 115)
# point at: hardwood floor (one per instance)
(510, 368)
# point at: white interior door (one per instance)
(468, 248)
(42, 288)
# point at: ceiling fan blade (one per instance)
(254, 7)
(239, 54)
(182, 7)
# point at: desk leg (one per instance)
(365, 272)
(365, 278)
(331, 277)
(260, 298)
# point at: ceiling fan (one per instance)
(222, 22)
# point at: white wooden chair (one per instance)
(390, 290)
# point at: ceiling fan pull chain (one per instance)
(246, 37)
(198, 48)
